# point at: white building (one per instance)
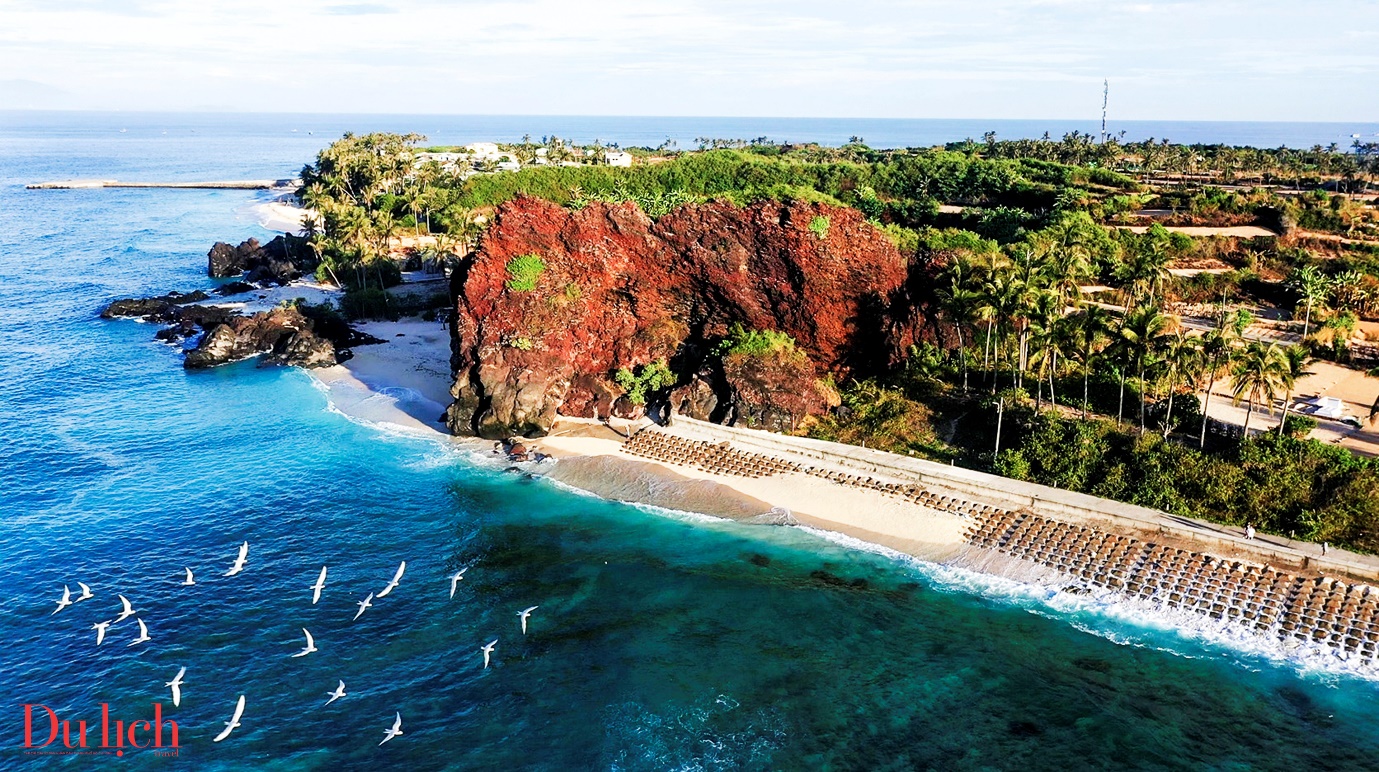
(617, 158)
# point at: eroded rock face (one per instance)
(775, 392)
(282, 332)
(618, 290)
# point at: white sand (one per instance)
(861, 513)
(282, 214)
(402, 384)
(257, 300)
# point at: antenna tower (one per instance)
(1105, 97)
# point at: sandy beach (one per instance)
(282, 214)
(402, 384)
(590, 453)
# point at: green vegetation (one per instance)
(819, 226)
(523, 271)
(756, 343)
(1280, 484)
(1075, 329)
(647, 380)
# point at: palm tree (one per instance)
(1182, 358)
(1142, 330)
(1312, 287)
(1257, 376)
(1145, 271)
(1217, 352)
(1295, 361)
(961, 304)
(1089, 329)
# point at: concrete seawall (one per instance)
(1052, 502)
(1175, 563)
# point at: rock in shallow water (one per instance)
(282, 332)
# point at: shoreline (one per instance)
(1261, 595)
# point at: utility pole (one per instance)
(1000, 413)
(1105, 97)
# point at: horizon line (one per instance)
(236, 111)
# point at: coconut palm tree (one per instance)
(1313, 288)
(1218, 349)
(961, 304)
(1089, 329)
(1257, 376)
(1142, 330)
(1295, 361)
(1182, 359)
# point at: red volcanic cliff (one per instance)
(618, 290)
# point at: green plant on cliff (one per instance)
(650, 378)
(756, 343)
(523, 271)
(819, 226)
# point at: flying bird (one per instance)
(524, 614)
(176, 685)
(337, 694)
(363, 604)
(239, 561)
(85, 592)
(397, 577)
(66, 599)
(143, 633)
(310, 644)
(487, 650)
(395, 731)
(233, 723)
(99, 627)
(189, 581)
(128, 609)
(455, 580)
(317, 587)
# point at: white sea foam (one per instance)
(1115, 617)
(1124, 620)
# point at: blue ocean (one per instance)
(662, 640)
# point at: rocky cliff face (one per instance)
(612, 289)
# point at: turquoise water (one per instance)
(662, 641)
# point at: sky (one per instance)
(1299, 60)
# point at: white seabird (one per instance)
(239, 561)
(487, 650)
(99, 627)
(455, 580)
(128, 609)
(190, 580)
(310, 644)
(363, 604)
(337, 694)
(524, 614)
(318, 586)
(65, 601)
(233, 722)
(394, 731)
(397, 577)
(85, 593)
(143, 633)
(176, 685)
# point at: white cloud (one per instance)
(1223, 59)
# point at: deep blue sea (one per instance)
(662, 641)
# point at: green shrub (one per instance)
(650, 379)
(819, 226)
(523, 271)
(756, 343)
